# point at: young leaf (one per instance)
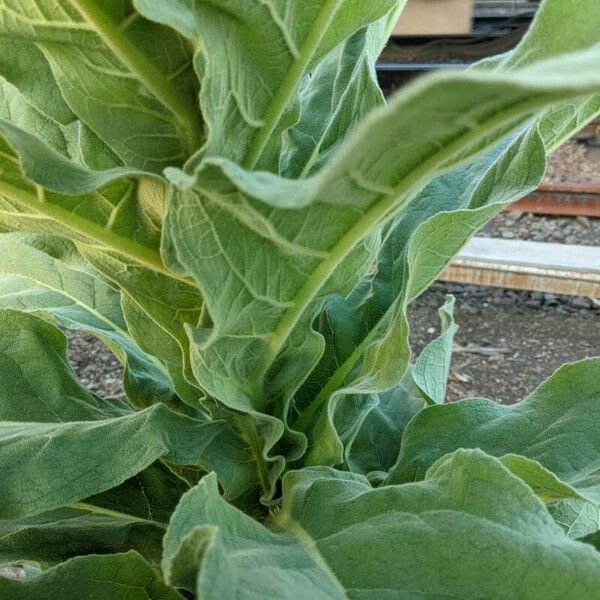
(376, 445)
(377, 420)
(136, 95)
(337, 95)
(115, 576)
(254, 58)
(433, 364)
(336, 537)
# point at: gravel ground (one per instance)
(562, 230)
(95, 365)
(574, 162)
(508, 341)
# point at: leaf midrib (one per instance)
(291, 82)
(381, 212)
(182, 107)
(113, 326)
(108, 240)
(98, 510)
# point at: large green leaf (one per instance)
(67, 460)
(470, 530)
(157, 310)
(136, 94)
(254, 58)
(554, 426)
(39, 277)
(310, 238)
(132, 516)
(55, 436)
(117, 576)
(337, 95)
(36, 380)
(367, 334)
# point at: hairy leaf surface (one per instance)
(127, 79)
(336, 537)
(554, 426)
(309, 238)
(254, 58)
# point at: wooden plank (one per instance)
(535, 266)
(436, 17)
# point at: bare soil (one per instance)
(508, 342)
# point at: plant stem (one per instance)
(142, 255)
(291, 81)
(248, 430)
(180, 105)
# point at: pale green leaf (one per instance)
(470, 530)
(432, 366)
(132, 516)
(554, 426)
(546, 485)
(129, 80)
(253, 60)
(337, 95)
(297, 253)
(32, 280)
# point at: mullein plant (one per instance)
(218, 191)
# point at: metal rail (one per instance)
(565, 199)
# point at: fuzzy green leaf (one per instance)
(137, 95)
(43, 276)
(254, 58)
(310, 238)
(132, 516)
(553, 426)
(57, 435)
(337, 537)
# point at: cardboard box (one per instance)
(436, 17)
